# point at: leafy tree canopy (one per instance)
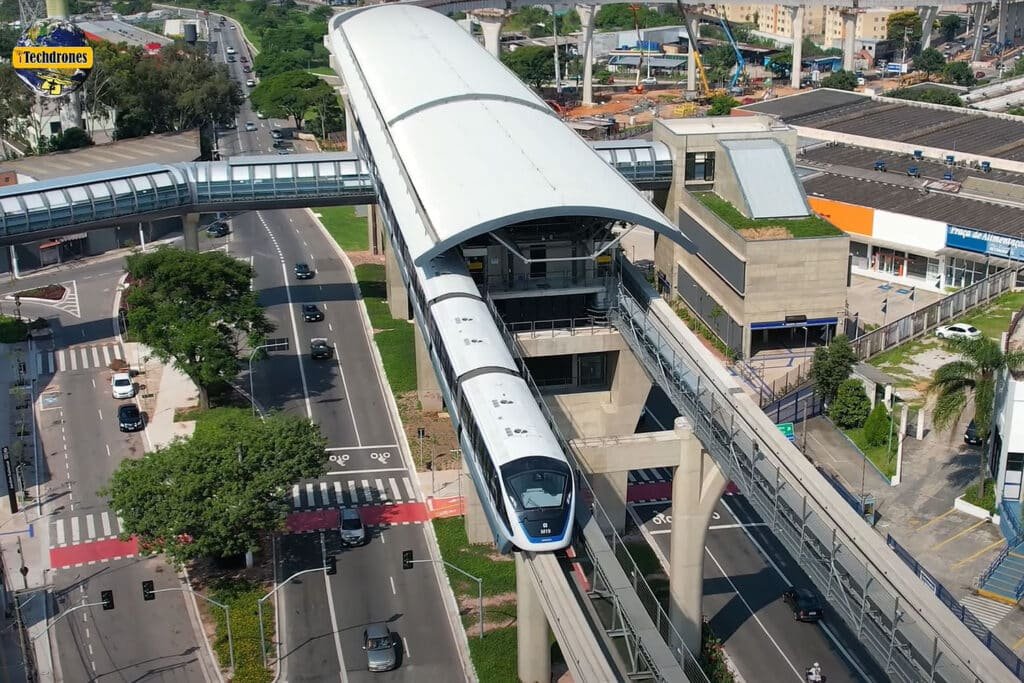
(534, 64)
(216, 493)
(903, 23)
(286, 95)
(194, 308)
(929, 61)
(832, 365)
(949, 26)
(721, 105)
(840, 80)
(878, 426)
(852, 405)
(617, 17)
(933, 95)
(958, 73)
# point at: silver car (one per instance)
(379, 644)
(352, 530)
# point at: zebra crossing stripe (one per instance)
(76, 533)
(117, 353)
(61, 365)
(323, 493)
(85, 357)
(409, 489)
(74, 359)
(396, 494)
(60, 532)
(337, 492)
(296, 501)
(381, 491)
(90, 526)
(96, 357)
(106, 356)
(353, 498)
(309, 494)
(105, 521)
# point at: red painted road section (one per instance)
(95, 551)
(376, 515)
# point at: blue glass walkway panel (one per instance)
(647, 164)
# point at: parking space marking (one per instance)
(978, 554)
(935, 519)
(960, 533)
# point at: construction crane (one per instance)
(741, 63)
(638, 88)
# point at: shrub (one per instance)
(876, 427)
(12, 330)
(851, 406)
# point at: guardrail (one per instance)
(589, 324)
(1003, 653)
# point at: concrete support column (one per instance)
(849, 38)
(190, 230)
(14, 261)
(692, 22)
(1004, 7)
(398, 297)
(491, 22)
(478, 531)
(928, 15)
(796, 18)
(427, 389)
(142, 237)
(587, 13)
(534, 646)
(980, 9)
(696, 488)
(376, 236)
(610, 491)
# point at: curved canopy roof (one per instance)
(478, 148)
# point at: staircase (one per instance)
(1003, 581)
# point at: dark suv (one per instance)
(217, 229)
(320, 349)
(129, 419)
(805, 603)
(312, 314)
(303, 271)
(971, 435)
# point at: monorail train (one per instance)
(526, 485)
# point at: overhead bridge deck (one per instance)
(69, 205)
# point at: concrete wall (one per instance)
(794, 277)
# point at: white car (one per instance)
(352, 530)
(121, 385)
(260, 115)
(251, 83)
(958, 331)
(231, 50)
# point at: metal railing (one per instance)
(1003, 653)
(588, 324)
(661, 621)
(884, 612)
(556, 279)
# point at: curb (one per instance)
(197, 625)
(451, 607)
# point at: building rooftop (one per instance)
(168, 148)
(908, 122)
(114, 31)
(887, 195)
(707, 125)
(765, 175)
(766, 228)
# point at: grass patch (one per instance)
(12, 330)
(241, 597)
(394, 337)
(347, 229)
(987, 499)
(322, 70)
(498, 572)
(883, 457)
(494, 657)
(812, 226)
(994, 319)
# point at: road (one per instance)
(745, 574)
(82, 446)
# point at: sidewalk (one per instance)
(162, 390)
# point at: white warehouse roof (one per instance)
(480, 149)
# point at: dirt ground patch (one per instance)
(773, 233)
(499, 612)
(359, 258)
(439, 440)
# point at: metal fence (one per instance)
(771, 391)
(1003, 653)
(589, 324)
(797, 407)
(921, 321)
(632, 132)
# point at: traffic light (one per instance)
(108, 599)
(147, 591)
(406, 559)
(332, 565)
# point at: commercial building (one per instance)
(760, 267)
(823, 25)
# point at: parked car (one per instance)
(243, 59)
(129, 418)
(217, 229)
(311, 313)
(352, 530)
(276, 134)
(250, 82)
(260, 115)
(805, 603)
(958, 331)
(231, 26)
(971, 435)
(379, 643)
(303, 271)
(247, 69)
(650, 80)
(121, 385)
(250, 126)
(230, 50)
(320, 349)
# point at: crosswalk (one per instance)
(83, 529)
(989, 612)
(78, 358)
(353, 492)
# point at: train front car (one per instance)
(523, 468)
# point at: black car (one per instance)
(805, 604)
(311, 314)
(303, 271)
(971, 435)
(129, 419)
(320, 349)
(217, 229)
(276, 134)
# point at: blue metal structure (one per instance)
(741, 63)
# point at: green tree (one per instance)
(840, 80)
(903, 23)
(286, 95)
(852, 405)
(949, 26)
(15, 107)
(534, 64)
(971, 379)
(326, 114)
(719, 62)
(721, 105)
(832, 365)
(958, 73)
(195, 308)
(218, 492)
(878, 426)
(929, 61)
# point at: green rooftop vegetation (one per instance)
(767, 228)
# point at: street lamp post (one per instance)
(271, 345)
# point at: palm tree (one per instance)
(971, 378)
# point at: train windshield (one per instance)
(536, 483)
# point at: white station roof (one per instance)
(479, 149)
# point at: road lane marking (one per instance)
(100, 412)
(323, 493)
(348, 473)
(382, 492)
(330, 327)
(408, 488)
(337, 492)
(90, 526)
(406, 643)
(393, 591)
(334, 629)
(935, 519)
(61, 366)
(348, 399)
(396, 494)
(76, 533)
(105, 521)
(60, 531)
(295, 496)
(295, 328)
(715, 527)
(959, 534)
(978, 554)
(367, 494)
(309, 494)
(375, 447)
